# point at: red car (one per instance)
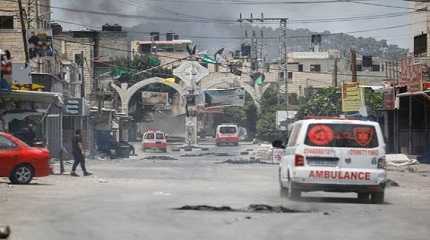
(20, 162)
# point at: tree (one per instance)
(328, 102)
(321, 102)
(266, 124)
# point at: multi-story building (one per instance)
(171, 49)
(407, 94)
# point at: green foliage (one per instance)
(328, 102)
(374, 102)
(266, 124)
(321, 102)
(245, 116)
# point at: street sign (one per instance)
(191, 72)
(224, 97)
(73, 107)
(351, 97)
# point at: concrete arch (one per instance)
(126, 93)
(136, 87)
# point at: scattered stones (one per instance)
(391, 183)
(101, 180)
(244, 153)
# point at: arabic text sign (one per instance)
(73, 107)
(351, 97)
(224, 97)
(155, 98)
(411, 75)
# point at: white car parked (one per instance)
(334, 155)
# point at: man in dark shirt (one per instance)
(78, 154)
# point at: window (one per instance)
(359, 67)
(79, 60)
(292, 141)
(290, 75)
(6, 143)
(6, 22)
(149, 136)
(300, 67)
(376, 68)
(315, 68)
(341, 135)
(145, 48)
(227, 130)
(293, 99)
(159, 136)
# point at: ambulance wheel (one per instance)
(378, 197)
(363, 196)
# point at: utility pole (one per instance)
(24, 32)
(82, 74)
(354, 65)
(335, 72)
(283, 52)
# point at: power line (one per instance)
(269, 37)
(195, 19)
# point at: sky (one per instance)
(224, 9)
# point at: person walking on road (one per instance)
(78, 155)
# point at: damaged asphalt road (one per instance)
(253, 208)
(195, 198)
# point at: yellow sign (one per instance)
(351, 97)
(28, 87)
(169, 81)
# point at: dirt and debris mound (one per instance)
(245, 161)
(253, 208)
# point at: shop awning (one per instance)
(423, 94)
(32, 96)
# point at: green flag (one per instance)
(259, 78)
(118, 72)
(207, 59)
(153, 61)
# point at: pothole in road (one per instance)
(159, 158)
(253, 208)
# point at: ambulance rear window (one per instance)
(341, 135)
(227, 130)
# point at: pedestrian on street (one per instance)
(78, 155)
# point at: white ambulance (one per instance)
(334, 155)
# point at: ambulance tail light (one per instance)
(381, 163)
(299, 161)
